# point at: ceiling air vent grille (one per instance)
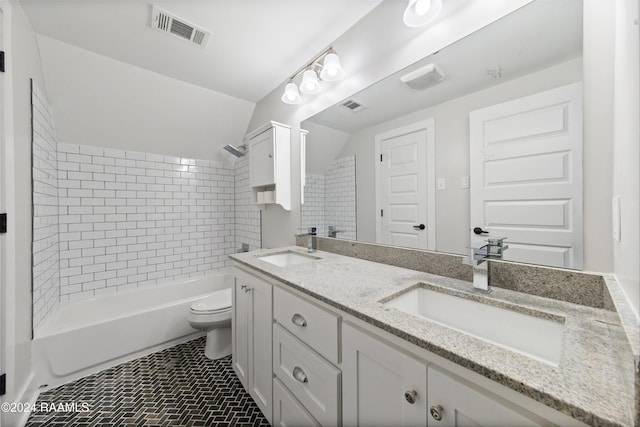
(168, 23)
(353, 106)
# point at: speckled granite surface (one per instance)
(593, 381)
(577, 287)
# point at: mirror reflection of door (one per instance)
(405, 195)
(526, 176)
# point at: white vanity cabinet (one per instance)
(305, 349)
(455, 402)
(252, 337)
(270, 164)
(385, 384)
(381, 384)
(306, 363)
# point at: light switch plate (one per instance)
(464, 182)
(442, 184)
(615, 205)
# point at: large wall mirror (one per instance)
(481, 139)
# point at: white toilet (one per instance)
(213, 314)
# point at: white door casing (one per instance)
(526, 176)
(405, 186)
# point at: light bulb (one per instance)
(310, 83)
(422, 7)
(331, 69)
(291, 94)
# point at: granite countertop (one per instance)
(592, 383)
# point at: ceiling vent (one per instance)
(168, 23)
(423, 77)
(353, 106)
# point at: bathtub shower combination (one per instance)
(90, 335)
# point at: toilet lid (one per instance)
(218, 301)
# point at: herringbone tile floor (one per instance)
(175, 387)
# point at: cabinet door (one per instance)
(261, 170)
(240, 329)
(261, 344)
(462, 404)
(376, 378)
(287, 411)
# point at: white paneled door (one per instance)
(405, 195)
(526, 176)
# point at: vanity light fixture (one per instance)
(331, 69)
(324, 67)
(420, 12)
(291, 94)
(310, 83)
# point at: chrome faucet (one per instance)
(333, 232)
(312, 243)
(478, 254)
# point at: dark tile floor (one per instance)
(175, 387)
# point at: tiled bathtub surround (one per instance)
(129, 219)
(340, 196)
(313, 206)
(564, 285)
(330, 199)
(46, 275)
(247, 215)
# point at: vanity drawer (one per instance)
(318, 328)
(310, 379)
(287, 411)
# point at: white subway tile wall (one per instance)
(46, 277)
(130, 219)
(340, 196)
(313, 206)
(331, 199)
(247, 215)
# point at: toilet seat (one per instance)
(215, 303)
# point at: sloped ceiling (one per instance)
(254, 44)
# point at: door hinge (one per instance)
(3, 384)
(381, 212)
(1, 61)
(3, 222)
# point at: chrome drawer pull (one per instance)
(299, 375)
(410, 396)
(297, 319)
(436, 412)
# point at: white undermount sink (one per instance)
(533, 336)
(284, 259)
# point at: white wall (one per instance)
(452, 152)
(368, 55)
(23, 63)
(103, 102)
(626, 178)
(323, 146)
(598, 27)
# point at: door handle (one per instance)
(419, 227)
(479, 230)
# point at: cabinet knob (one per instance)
(410, 396)
(243, 287)
(247, 289)
(299, 375)
(298, 320)
(436, 412)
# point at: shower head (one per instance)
(238, 152)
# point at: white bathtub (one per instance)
(90, 335)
